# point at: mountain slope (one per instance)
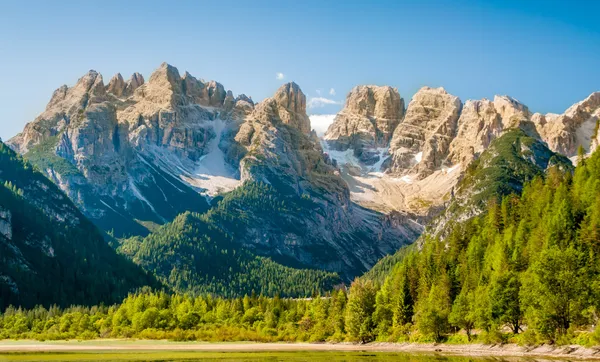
(191, 254)
(327, 230)
(435, 141)
(510, 162)
(49, 252)
(529, 260)
(133, 155)
(292, 207)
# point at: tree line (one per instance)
(526, 271)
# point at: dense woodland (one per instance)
(50, 260)
(191, 256)
(526, 271)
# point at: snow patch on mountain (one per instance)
(212, 172)
(139, 195)
(419, 156)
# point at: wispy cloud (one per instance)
(320, 122)
(332, 92)
(319, 102)
(280, 76)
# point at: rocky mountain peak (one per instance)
(577, 126)
(245, 98)
(91, 83)
(216, 93)
(164, 87)
(370, 115)
(584, 108)
(375, 101)
(421, 143)
(290, 96)
(288, 106)
(58, 96)
(166, 74)
(116, 85)
(511, 111)
(134, 82)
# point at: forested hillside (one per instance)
(196, 254)
(49, 252)
(530, 263)
(509, 163)
(525, 271)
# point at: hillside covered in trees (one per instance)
(194, 254)
(49, 252)
(525, 271)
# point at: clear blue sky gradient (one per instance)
(544, 53)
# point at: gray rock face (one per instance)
(343, 236)
(576, 127)
(436, 140)
(482, 121)
(140, 151)
(116, 85)
(421, 142)
(136, 81)
(5, 224)
(288, 106)
(370, 116)
(111, 140)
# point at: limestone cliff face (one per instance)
(370, 116)
(436, 140)
(128, 151)
(576, 127)
(287, 106)
(344, 236)
(136, 153)
(482, 121)
(421, 142)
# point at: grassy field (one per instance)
(212, 356)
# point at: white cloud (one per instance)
(318, 91)
(332, 92)
(280, 76)
(320, 122)
(319, 102)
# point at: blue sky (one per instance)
(544, 53)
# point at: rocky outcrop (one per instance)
(333, 231)
(367, 121)
(136, 81)
(421, 143)
(137, 152)
(576, 127)
(5, 223)
(287, 106)
(116, 85)
(105, 137)
(482, 121)
(437, 140)
(369, 117)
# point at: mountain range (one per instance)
(176, 170)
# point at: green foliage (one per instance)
(54, 255)
(44, 157)
(182, 318)
(193, 253)
(359, 311)
(530, 262)
(511, 161)
(529, 265)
